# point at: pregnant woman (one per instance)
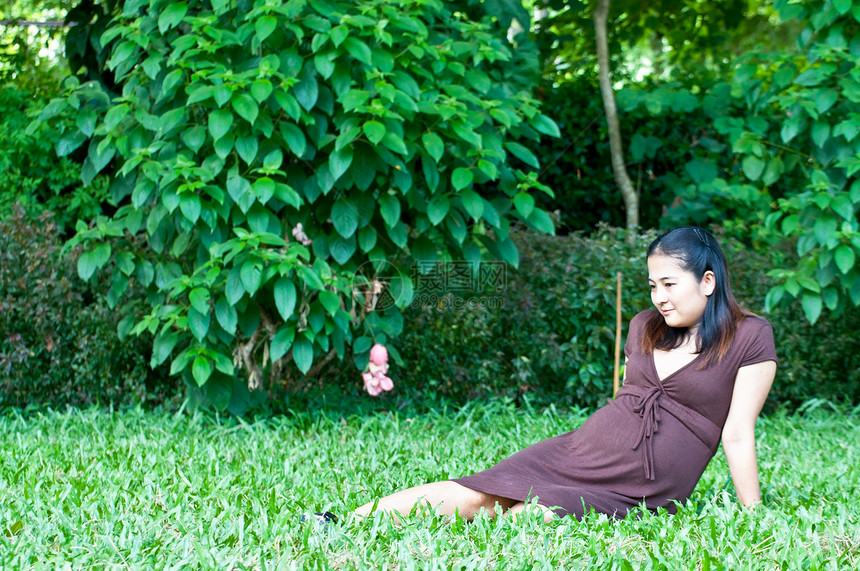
(698, 370)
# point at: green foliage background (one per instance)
(753, 129)
(763, 140)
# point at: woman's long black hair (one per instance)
(697, 252)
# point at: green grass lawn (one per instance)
(142, 490)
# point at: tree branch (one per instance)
(616, 150)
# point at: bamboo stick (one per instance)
(616, 372)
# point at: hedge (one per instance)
(543, 332)
(58, 342)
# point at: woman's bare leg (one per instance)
(449, 497)
(520, 507)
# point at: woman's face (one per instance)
(676, 293)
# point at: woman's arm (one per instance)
(751, 387)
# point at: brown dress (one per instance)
(650, 444)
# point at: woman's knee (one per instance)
(473, 501)
(520, 507)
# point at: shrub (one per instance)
(270, 157)
(57, 336)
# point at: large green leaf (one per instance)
(389, 207)
(753, 167)
(845, 258)
(245, 107)
(399, 234)
(524, 203)
(194, 137)
(842, 6)
(438, 208)
(234, 289)
(307, 90)
(264, 26)
(303, 354)
(261, 89)
(820, 132)
(473, 203)
(289, 104)
(220, 122)
(69, 143)
(344, 216)
(330, 301)
(508, 251)
(285, 297)
(93, 260)
(461, 178)
(342, 249)
(541, 221)
(522, 153)
(479, 80)
(198, 323)
(251, 274)
(294, 137)
(201, 370)
(374, 131)
(433, 143)
(367, 238)
(359, 50)
(354, 98)
(162, 347)
(545, 125)
(812, 306)
(226, 314)
(247, 148)
(282, 342)
(171, 16)
(339, 161)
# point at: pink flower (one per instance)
(379, 354)
(377, 370)
(371, 384)
(385, 383)
(375, 376)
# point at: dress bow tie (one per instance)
(649, 410)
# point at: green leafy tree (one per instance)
(788, 111)
(799, 137)
(271, 160)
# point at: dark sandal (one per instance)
(323, 518)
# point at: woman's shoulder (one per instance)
(754, 340)
(637, 324)
(752, 324)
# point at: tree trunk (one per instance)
(616, 151)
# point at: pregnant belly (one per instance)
(605, 446)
